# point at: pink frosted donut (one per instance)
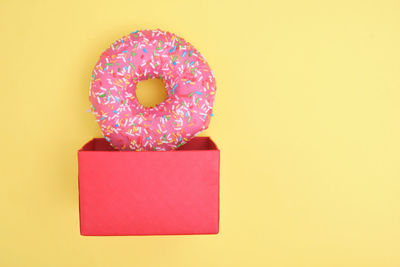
(148, 54)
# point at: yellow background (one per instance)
(306, 116)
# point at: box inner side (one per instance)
(197, 143)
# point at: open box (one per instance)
(149, 193)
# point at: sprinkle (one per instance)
(133, 54)
(144, 50)
(173, 88)
(102, 95)
(197, 92)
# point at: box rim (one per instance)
(168, 151)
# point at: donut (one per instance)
(149, 54)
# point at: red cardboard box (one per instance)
(149, 193)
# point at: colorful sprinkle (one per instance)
(173, 88)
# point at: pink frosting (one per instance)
(148, 54)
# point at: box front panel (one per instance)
(146, 193)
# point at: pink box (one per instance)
(149, 193)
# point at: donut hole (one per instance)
(151, 92)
